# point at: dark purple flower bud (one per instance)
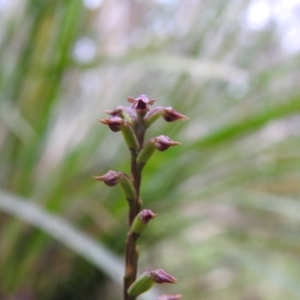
(141, 104)
(141, 221)
(160, 276)
(124, 112)
(146, 215)
(163, 142)
(115, 112)
(170, 115)
(111, 178)
(114, 123)
(170, 297)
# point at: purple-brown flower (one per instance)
(115, 112)
(160, 276)
(111, 178)
(170, 115)
(141, 104)
(141, 221)
(124, 112)
(146, 215)
(162, 142)
(114, 123)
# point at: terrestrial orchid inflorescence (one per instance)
(133, 123)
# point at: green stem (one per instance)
(131, 260)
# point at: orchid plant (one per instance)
(133, 123)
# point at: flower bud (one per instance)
(141, 221)
(111, 178)
(142, 284)
(141, 104)
(124, 112)
(160, 276)
(129, 136)
(114, 123)
(163, 142)
(170, 115)
(170, 297)
(145, 281)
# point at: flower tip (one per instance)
(170, 115)
(163, 142)
(115, 123)
(111, 178)
(160, 276)
(147, 215)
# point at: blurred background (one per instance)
(227, 198)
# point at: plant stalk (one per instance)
(131, 256)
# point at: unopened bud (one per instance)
(160, 276)
(124, 112)
(170, 115)
(163, 142)
(141, 221)
(114, 123)
(145, 281)
(111, 178)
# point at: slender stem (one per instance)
(131, 260)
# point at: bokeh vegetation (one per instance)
(228, 198)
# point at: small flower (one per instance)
(114, 123)
(170, 115)
(124, 112)
(141, 104)
(115, 112)
(141, 221)
(146, 215)
(111, 178)
(160, 143)
(160, 276)
(170, 297)
(163, 142)
(146, 280)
